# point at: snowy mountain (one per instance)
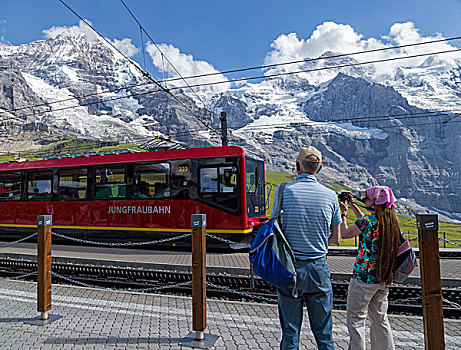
(365, 125)
(74, 70)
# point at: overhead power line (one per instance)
(333, 121)
(112, 45)
(46, 104)
(145, 74)
(318, 69)
(193, 134)
(307, 60)
(164, 56)
(248, 78)
(246, 69)
(265, 76)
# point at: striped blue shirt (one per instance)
(309, 209)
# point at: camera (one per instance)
(343, 196)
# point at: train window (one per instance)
(110, 182)
(183, 179)
(227, 179)
(219, 186)
(39, 185)
(251, 176)
(256, 202)
(152, 181)
(10, 186)
(72, 183)
(208, 180)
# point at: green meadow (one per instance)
(451, 231)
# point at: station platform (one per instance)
(226, 263)
(102, 319)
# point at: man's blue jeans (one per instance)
(314, 289)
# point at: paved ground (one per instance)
(216, 262)
(101, 319)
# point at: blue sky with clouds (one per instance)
(203, 35)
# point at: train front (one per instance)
(255, 197)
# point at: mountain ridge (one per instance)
(274, 117)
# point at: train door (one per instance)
(255, 189)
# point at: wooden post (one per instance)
(199, 339)
(198, 223)
(431, 285)
(44, 223)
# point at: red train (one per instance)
(136, 196)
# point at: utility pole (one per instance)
(224, 129)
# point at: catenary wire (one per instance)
(270, 75)
(365, 118)
(242, 69)
(192, 135)
(356, 119)
(290, 125)
(248, 78)
(307, 60)
(112, 45)
(165, 57)
(222, 82)
(145, 74)
(317, 69)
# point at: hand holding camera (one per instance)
(345, 197)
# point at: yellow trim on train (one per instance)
(129, 229)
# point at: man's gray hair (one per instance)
(309, 167)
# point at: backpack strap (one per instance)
(280, 197)
(294, 291)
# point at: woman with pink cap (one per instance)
(375, 265)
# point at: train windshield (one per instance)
(219, 186)
(255, 188)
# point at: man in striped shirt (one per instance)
(310, 212)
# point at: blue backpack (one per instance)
(271, 255)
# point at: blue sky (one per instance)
(232, 34)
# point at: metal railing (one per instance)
(125, 244)
(19, 240)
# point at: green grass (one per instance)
(70, 146)
(7, 158)
(407, 225)
(275, 179)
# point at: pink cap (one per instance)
(381, 195)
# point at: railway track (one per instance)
(402, 299)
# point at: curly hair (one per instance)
(388, 242)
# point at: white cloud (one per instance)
(341, 38)
(82, 28)
(4, 41)
(126, 46)
(187, 66)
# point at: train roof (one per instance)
(204, 152)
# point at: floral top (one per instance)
(365, 269)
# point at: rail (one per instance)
(227, 287)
